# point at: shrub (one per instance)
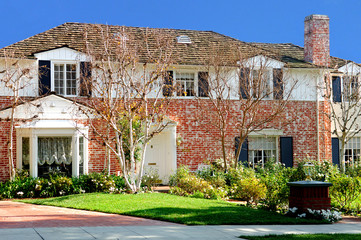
(275, 177)
(249, 189)
(54, 185)
(345, 190)
(151, 180)
(328, 215)
(188, 184)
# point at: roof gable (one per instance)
(62, 53)
(48, 107)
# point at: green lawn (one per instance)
(306, 236)
(192, 211)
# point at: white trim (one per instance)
(51, 128)
(266, 133)
(52, 79)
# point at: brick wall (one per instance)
(200, 140)
(317, 41)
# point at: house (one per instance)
(49, 123)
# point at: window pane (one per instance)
(54, 155)
(261, 150)
(185, 84)
(81, 155)
(25, 153)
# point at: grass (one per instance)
(191, 211)
(306, 236)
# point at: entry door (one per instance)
(155, 161)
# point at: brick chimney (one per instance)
(317, 40)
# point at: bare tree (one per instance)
(242, 93)
(15, 75)
(214, 100)
(342, 93)
(126, 109)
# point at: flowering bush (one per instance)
(328, 215)
(151, 179)
(188, 184)
(24, 186)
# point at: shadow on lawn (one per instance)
(218, 215)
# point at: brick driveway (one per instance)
(22, 215)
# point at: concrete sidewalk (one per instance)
(169, 232)
(26, 221)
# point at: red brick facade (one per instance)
(317, 41)
(199, 141)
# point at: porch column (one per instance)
(33, 143)
(75, 146)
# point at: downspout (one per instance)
(317, 123)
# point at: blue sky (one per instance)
(274, 21)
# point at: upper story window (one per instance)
(345, 88)
(186, 84)
(65, 79)
(261, 83)
(351, 89)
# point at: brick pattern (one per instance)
(315, 198)
(200, 141)
(317, 41)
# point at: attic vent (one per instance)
(183, 39)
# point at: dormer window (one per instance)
(183, 39)
(65, 76)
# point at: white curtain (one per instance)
(54, 150)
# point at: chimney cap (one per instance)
(316, 17)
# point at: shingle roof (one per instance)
(296, 52)
(203, 44)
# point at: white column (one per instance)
(85, 157)
(75, 163)
(33, 147)
(173, 148)
(19, 151)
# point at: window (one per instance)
(261, 150)
(185, 84)
(350, 88)
(260, 85)
(46, 150)
(54, 155)
(352, 149)
(65, 79)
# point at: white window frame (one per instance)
(269, 73)
(195, 83)
(53, 63)
(34, 133)
(276, 139)
(354, 146)
(344, 96)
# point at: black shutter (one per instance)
(44, 77)
(277, 84)
(243, 156)
(336, 89)
(244, 83)
(335, 151)
(203, 85)
(286, 150)
(168, 84)
(85, 88)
